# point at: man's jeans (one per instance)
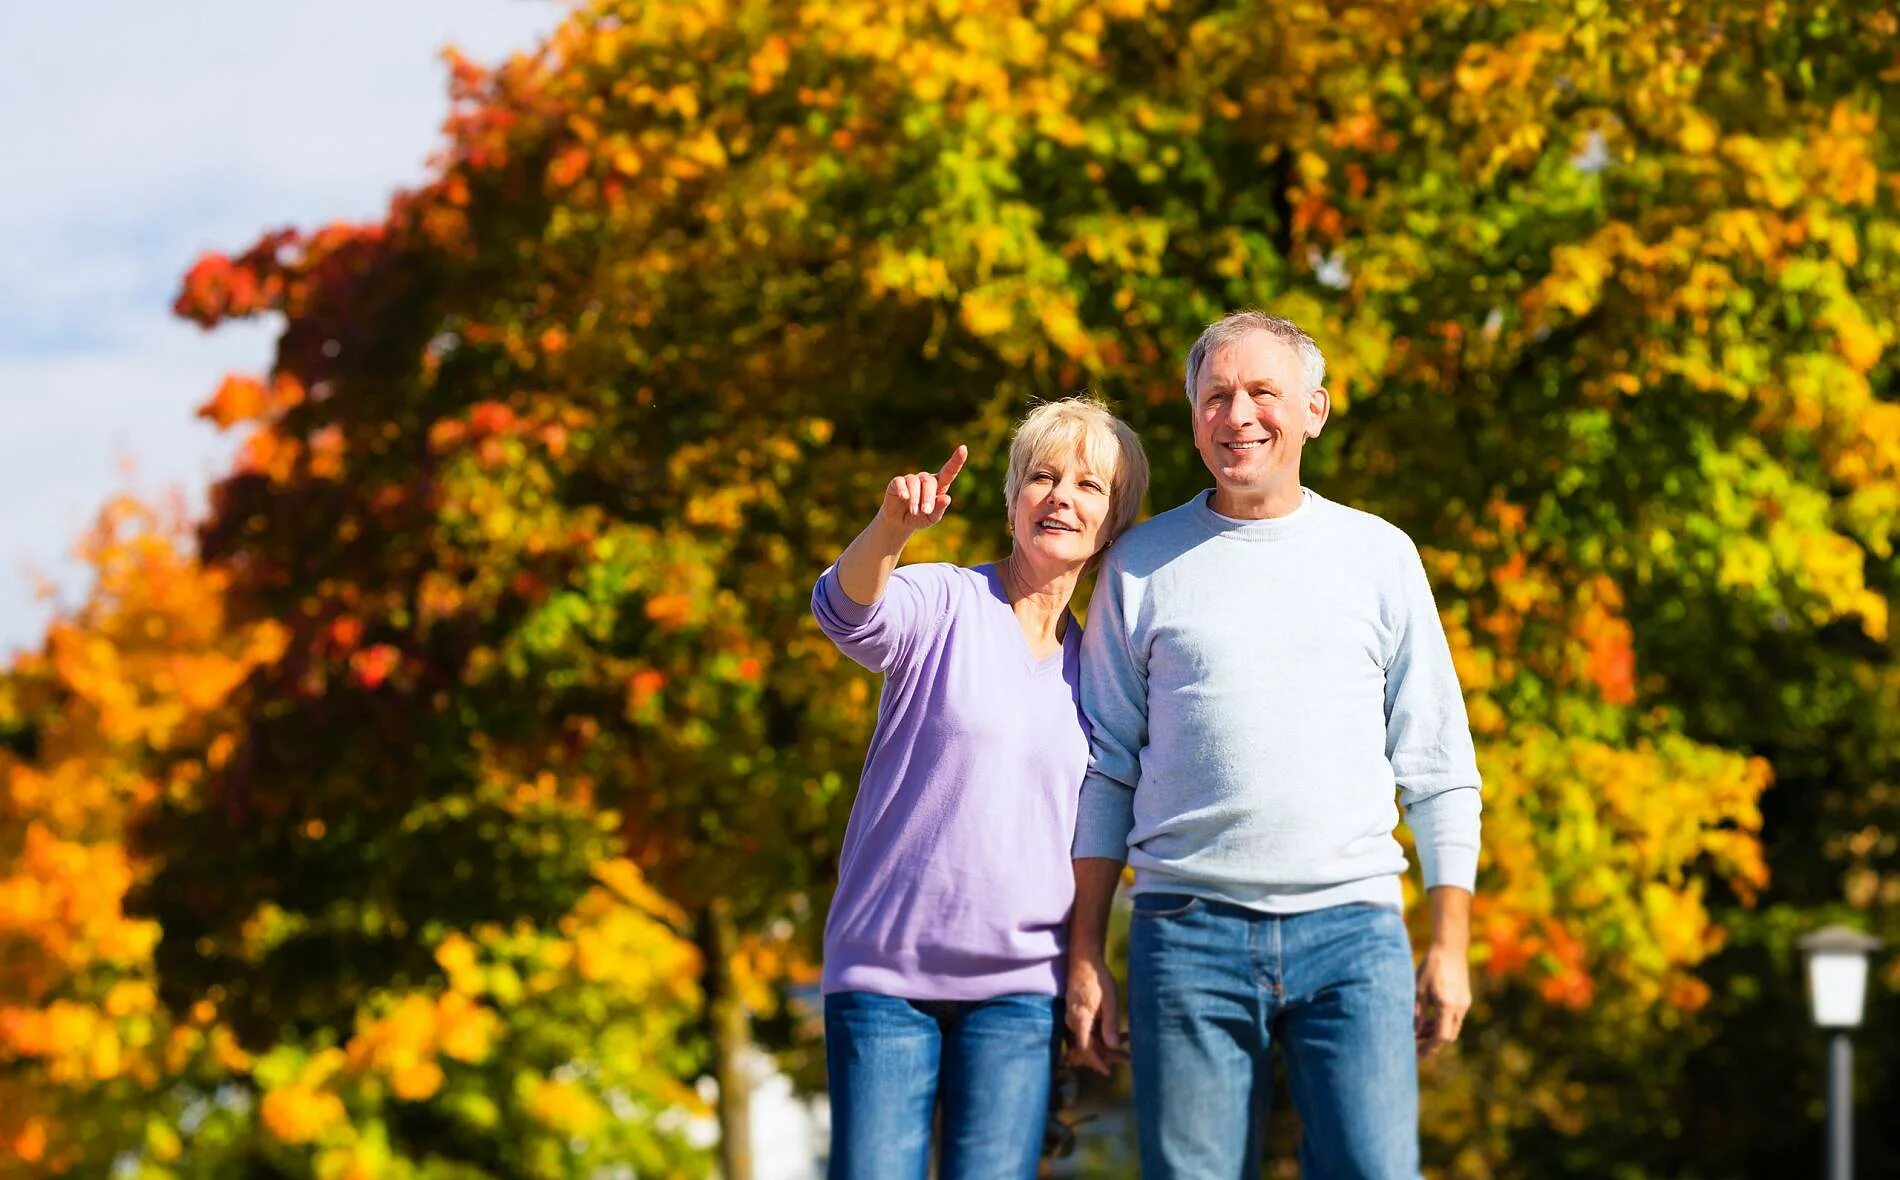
(892, 1060)
(1211, 986)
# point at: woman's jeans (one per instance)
(1212, 986)
(893, 1061)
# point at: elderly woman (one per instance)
(944, 948)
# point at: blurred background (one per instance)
(416, 756)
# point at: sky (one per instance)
(134, 136)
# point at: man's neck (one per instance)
(1264, 504)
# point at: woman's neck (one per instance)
(1040, 597)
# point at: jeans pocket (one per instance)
(1165, 905)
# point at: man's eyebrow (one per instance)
(1226, 385)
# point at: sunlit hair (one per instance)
(1234, 325)
(1108, 446)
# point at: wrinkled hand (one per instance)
(919, 500)
(1094, 1017)
(1444, 996)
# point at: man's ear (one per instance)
(1319, 406)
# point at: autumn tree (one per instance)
(541, 1048)
(88, 724)
(549, 456)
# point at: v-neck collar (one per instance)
(999, 593)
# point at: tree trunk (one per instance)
(730, 1028)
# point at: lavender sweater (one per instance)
(955, 882)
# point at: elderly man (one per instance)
(1262, 670)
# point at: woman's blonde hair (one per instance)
(1109, 448)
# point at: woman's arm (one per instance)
(911, 502)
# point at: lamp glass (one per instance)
(1837, 988)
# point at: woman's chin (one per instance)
(1064, 550)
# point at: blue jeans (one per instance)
(891, 1062)
(1212, 986)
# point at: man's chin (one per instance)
(1241, 480)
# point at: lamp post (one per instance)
(1837, 991)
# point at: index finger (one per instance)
(955, 464)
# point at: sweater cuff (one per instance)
(1451, 866)
(1445, 829)
(1104, 817)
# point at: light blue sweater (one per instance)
(1257, 690)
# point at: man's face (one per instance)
(1253, 414)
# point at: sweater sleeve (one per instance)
(1428, 739)
(1115, 702)
(881, 636)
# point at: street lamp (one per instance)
(1837, 991)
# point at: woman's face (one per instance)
(1060, 510)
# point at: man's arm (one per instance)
(1115, 700)
(1428, 741)
(1094, 1013)
(1444, 974)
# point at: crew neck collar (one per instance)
(1270, 528)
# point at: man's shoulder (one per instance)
(1155, 541)
(1369, 530)
(1174, 521)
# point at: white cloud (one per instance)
(137, 136)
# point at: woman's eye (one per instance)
(1092, 486)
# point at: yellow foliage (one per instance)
(1699, 133)
(465, 1030)
(456, 955)
(1581, 834)
(145, 666)
(405, 1042)
(624, 878)
(300, 1113)
(565, 1107)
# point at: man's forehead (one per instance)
(1253, 357)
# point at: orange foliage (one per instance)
(137, 678)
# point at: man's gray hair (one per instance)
(1234, 325)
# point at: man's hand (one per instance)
(1094, 1016)
(1444, 975)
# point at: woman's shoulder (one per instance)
(945, 584)
(939, 575)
